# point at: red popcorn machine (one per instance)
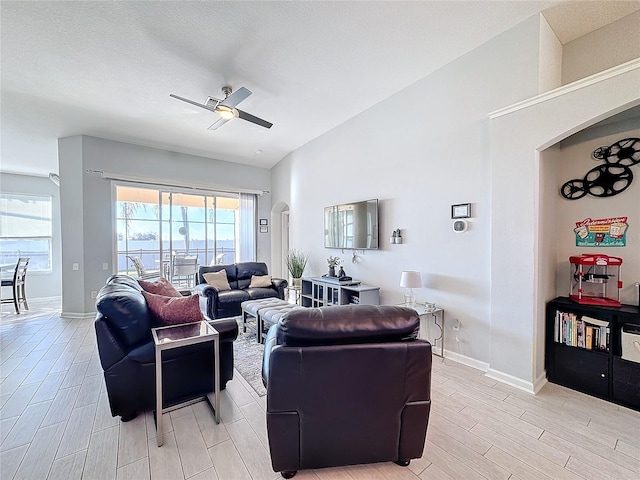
(595, 279)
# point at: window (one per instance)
(157, 225)
(26, 230)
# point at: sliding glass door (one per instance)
(162, 227)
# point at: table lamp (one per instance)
(410, 279)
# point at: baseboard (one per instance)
(520, 384)
(38, 300)
(468, 361)
(78, 316)
(516, 382)
(540, 382)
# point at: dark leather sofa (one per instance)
(346, 385)
(227, 303)
(127, 353)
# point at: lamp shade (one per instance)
(410, 279)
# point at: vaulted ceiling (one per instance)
(107, 68)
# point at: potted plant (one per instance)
(296, 263)
(333, 263)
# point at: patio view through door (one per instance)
(168, 230)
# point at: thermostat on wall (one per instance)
(459, 226)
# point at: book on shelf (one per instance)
(580, 335)
(595, 321)
(581, 331)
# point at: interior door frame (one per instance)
(285, 242)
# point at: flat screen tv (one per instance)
(352, 225)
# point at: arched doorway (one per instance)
(279, 239)
(518, 136)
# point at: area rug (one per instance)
(247, 354)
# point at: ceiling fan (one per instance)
(226, 108)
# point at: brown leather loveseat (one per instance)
(346, 385)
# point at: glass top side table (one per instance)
(437, 313)
(174, 336)
(295, 291)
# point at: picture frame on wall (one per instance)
(461, 210)
(264, 221)
(264, 229)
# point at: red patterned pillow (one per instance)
(173, 310)
(160, 287)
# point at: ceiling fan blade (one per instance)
(218, 123)
(201, 105)
(253, 119)
(236, 97)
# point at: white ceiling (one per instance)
(107, 68)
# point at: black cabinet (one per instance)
(581, 370)
(626, 383)
(584, 347)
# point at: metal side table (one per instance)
(424, 314)
(294, 293)
(174, 336)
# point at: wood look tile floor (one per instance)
(55, 423)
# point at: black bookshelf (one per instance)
(576, 360)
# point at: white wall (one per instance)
(39, 284)
(575, 161)
(431, 146)
(88, 208)
(519, 259)
(419, 152)
(549, 58)
(604, 48)
(72, 226)
(546, 242)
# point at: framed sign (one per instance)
(601, 232)
(461, 210)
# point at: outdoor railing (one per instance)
(151, 258)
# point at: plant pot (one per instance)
(332, 271)
(296, 282)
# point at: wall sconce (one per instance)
(396, 237)
(55, 178)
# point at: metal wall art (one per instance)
(610, 178)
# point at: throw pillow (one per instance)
(173, 310)
(260, 281)
(160, 287)
(218, 280)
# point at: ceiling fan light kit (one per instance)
(226, 108)
(226, 112)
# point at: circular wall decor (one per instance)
(573, 189)
(459, 226)
(609, 178)
(623, 152)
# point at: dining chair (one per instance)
(142, 271)
(17, 283)
(217, 260)
(185, 268)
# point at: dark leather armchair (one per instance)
(346, 385)
(127, 353)
(220, 304)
